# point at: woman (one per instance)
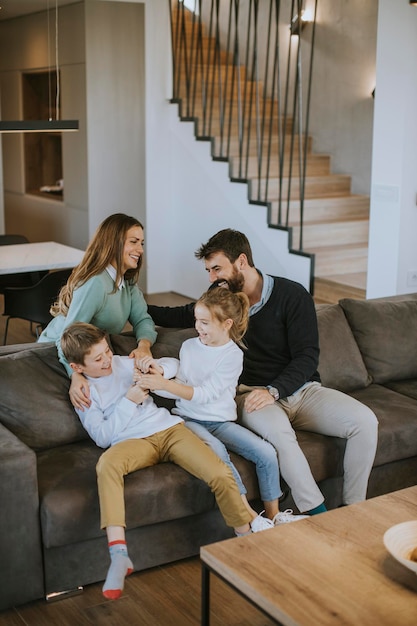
(102, 290)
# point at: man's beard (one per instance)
(235, 283)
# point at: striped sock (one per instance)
(120, 567)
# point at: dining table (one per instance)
(40, 256)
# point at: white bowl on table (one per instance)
(400, 540)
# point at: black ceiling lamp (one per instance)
(38, 126)
(50, 125)
(413, 3)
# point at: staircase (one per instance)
(265, 152)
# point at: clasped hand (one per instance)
(152, 380)
(258, 399)
(140, 389)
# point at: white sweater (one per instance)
(112, 418)
(213, 371)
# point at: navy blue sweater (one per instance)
(282, 338)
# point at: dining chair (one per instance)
(33, 303)
(24, 279)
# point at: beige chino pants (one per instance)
(176, 444)
(321, 410)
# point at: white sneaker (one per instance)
(261, 523)
(286, 517)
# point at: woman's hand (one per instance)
(148, 364)
(143, 351)
(79, 391)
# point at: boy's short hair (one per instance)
(78, 339)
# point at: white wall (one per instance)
(393, 229)
(343, 79)
(115, 110)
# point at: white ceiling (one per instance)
(16, 8)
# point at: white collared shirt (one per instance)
(267, 287)
(112, 271)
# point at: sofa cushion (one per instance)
(386, 333)
(34, 401)
(340, 364)
(406, 387)
(397, 417)
(69, 505)
(168, 342)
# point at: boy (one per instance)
(123, 418)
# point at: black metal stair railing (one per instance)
(242, 70)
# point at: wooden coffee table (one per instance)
(330, 569)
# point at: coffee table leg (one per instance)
(205, 595)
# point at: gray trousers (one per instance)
(320, 410)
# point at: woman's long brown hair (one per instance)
(106, 246)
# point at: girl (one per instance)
(205, 387)
(102, 290)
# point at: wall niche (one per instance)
(42, 150)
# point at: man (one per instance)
(279, 389)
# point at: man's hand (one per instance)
(79, 391)
(136, 394)
(257, 399)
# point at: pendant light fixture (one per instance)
(49, 125)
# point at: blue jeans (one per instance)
(224, 436)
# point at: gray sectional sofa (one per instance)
(50, 540)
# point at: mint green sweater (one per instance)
(95, 303)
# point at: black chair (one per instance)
(10, 240)
(24, 279)
(33, 303)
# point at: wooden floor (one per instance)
(162, 596)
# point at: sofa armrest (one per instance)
(21, 571)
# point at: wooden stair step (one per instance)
(356, 280)
(317, 235)
(257, 144)
(215, 106)
(317, 165)
(218, 108)
(332, 260)
(324, 209)
(232, 93)
(204, 51)
(245, 107)
(209, 72)
(331, 290)
(189, 23)
(212, 125)
(315, 187)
